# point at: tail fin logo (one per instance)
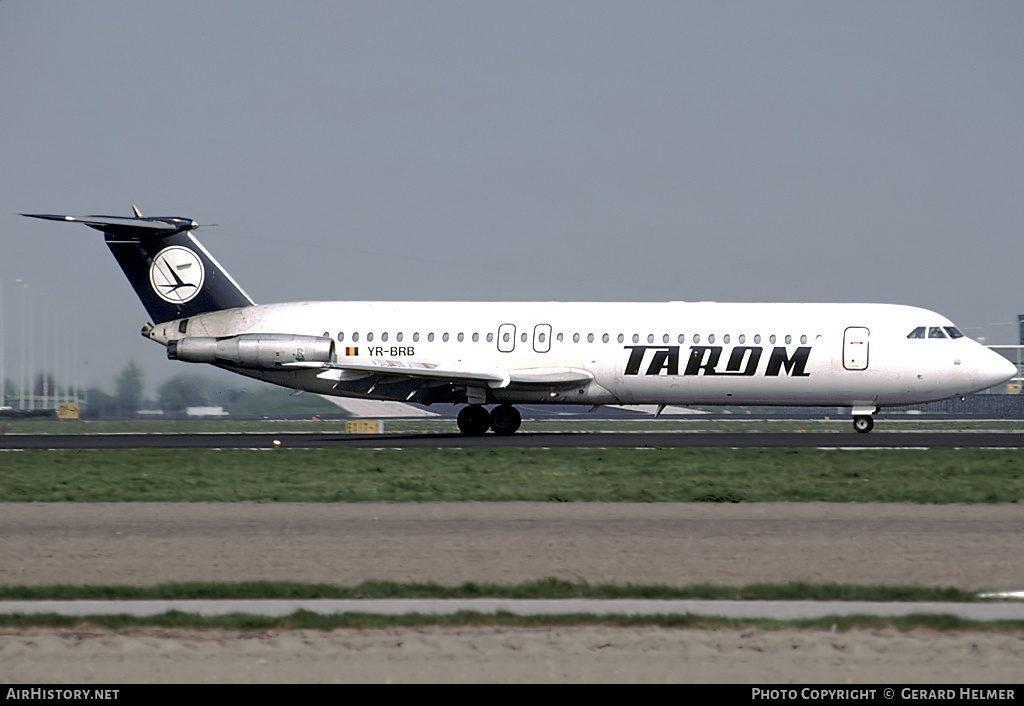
(176, 274)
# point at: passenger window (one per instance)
(398, 336)
(490, 337)
(416, 337)
(916, 333)
(575, 338)
(953, 332)
(620, 338)
(936, 332)
(369, 337)
(341, 337)
(711, 338)
(681, 338)
(604, 338)
(476, 337)
(383, 337)
(590, 338)
(696, 338)
(430, 337)
(725, 338)
(355, 337)
(650, 338)
(461, 337)
(742, 339)
(636, 338)
(444, 337)
(757, 338)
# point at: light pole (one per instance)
(3, 350)
(24, 339)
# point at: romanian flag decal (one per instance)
(350, 350)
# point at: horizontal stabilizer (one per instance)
(125, 227)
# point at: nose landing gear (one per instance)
(862, 421)
(863, 424)
(474, 420)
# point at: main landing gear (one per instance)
(474, 420)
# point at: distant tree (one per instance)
(98, 404)
(183, 391)
(129, 383)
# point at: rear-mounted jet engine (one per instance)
(253, 350)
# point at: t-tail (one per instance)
(172, 273)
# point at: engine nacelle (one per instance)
(260, 351)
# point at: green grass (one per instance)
(549, 588)
(545, 588)
(505, 474)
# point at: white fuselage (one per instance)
(855, 355)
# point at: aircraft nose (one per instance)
(994, 369)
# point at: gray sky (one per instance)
(651, 151)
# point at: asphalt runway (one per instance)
(877, 439)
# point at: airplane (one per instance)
(861, 356)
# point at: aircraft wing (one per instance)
(548, 378)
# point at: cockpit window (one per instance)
(935, 332)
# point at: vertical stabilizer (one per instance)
(172, 273)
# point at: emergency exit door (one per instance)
(507, 338)
(542, 338)
(855, 348)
